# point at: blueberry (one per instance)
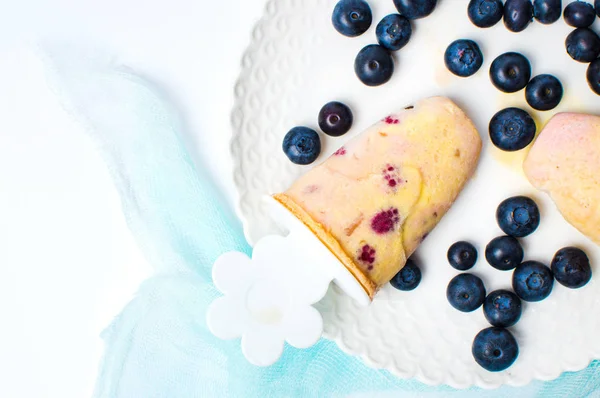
(597, 7)
(495, 349)
(408, 278)
(593, 75)
(532, 281)
(393, 31)
(502, 308)
(462, 255)
(512, 129)
(571, 267)
(544, 92)
(373, 65)
(335, 118)
(463, 57)
(302, 145)
(352, 17)
(517, 14)
(547, 11)
(583, 45)
(518, 216)
(510, 72)
(415, 9)
(465, 292)
(485, 13)
(579, 14)
(504, 253)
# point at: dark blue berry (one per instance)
(504, 253)
(374, 65)
(571, 267)
(462, 255)
(518, 216)
(485, 13)
(502, 308)
(415, 9)
(352, 17)
(463, 57)
(544, 92)
(517, 14)
(512, 129)
(597, 7)
(495, 349)
(465, 292)
(593, 75)
(583, 45)
(393, 32)
(510, 72)
(579, 14)
(302, 145)
(532, 281)
(547, 11)
(335, 118)
(408, 278)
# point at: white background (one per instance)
(68, 263)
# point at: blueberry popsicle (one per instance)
(565, 162)
(377, 197)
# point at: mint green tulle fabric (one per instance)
(159, 345)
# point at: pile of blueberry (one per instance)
(495, 348)
(510, 129)
(583, 44)
(302, 145)
(374, 64)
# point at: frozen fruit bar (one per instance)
(565, 162)
(377, 197)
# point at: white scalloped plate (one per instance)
(297, 62)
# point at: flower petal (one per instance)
(302, 326)
(227, 318)
(232, 273)
(262, 345)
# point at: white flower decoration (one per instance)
(268, 299)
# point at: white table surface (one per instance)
(68, 263)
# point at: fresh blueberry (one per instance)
(517, 14)
(579, 14)
(393, 31)
(462, 255)
(463, 57)
(593, 75)
(495, 349)
(544, 92)
(502, 308)
(302, 145)
(465, 292)
(583, 45)
(532, 281)
(335, 118)
(518, 216)
(571, 267)
(597, 7)
(374, 65)
(408, 278)
(510, 72)
(547, 11)
(485, 13)
(352, 17)
(512, 129)
(415, 9)
(504, 253)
